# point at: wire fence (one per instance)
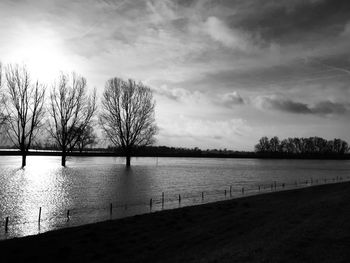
(16, 226)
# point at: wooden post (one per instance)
(162, 199)
(225, 192)
(242, 190)
(110, 209)
(271, 187)
(274, 184)
(68, 215)
(230, 190)
(6, 224)
(259, 188)
(179, 199)
(202, 196)
(150, 203)
(39, 215)
(283, 185)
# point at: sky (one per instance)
(224, 73)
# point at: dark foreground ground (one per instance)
(306, 225)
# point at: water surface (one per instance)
(88, 185)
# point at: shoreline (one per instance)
(238, 155)
(307, 224)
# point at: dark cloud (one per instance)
(285, 105)
(323, 108)
(328, 107)
(283, 21)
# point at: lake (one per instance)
(88, 185)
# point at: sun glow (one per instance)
(43, 56)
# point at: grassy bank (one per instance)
(304, 225)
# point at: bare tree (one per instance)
(71, 111)
(85, 137)
(2, 101)
(24, 108)
(127, 116)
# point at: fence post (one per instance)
(162, 199)
(179, 199)
(6, 223)
(230, 190)
(202, 196)
(271, 187)
(242, 190)
(274, 184)
(225, 192)
(110, 209)
(150, 204)
(259, 188)
(68, 215)
(39, 215)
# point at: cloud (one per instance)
(228, 100)
(346, 31)
(178, 94)
(323, 108)
(329, 107)
(231, 99)
(209, 133)
(279, 103)
(229, 37)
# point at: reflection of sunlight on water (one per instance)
(89, 184)
(40, 184)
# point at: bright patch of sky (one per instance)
(224, 73)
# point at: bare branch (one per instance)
(23, 106)
(127, 116)
(71, 111)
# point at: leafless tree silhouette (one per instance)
(71, 111)
(2, 101)
(85, 138)
(24, 108)
(127, 116)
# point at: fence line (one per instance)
(159, 203)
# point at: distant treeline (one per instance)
(178, 152)
(311, 145)
(165, 151)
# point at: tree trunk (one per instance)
(24, 159)
(127, 152)
(63, 160)
(128, 160)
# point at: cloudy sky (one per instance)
(224, 73)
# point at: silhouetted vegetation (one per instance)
(311, 145)
(2, 102)
(127, 116)
(23, 108)
(71, 111)
(85, 138)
